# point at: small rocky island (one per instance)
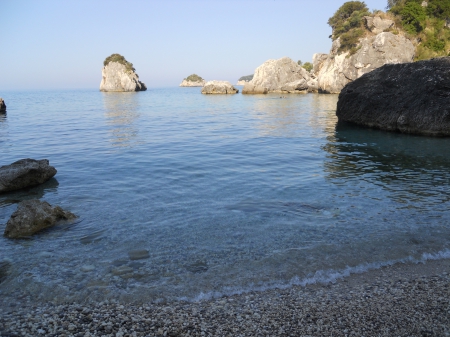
(219, 87)
(193, 81)
(280, 76)
(2, 105)
(244, 79)
(119, 75)
(408, 98)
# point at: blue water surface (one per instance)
(227, 193)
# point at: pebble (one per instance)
(394, 301)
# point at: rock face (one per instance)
(219, 87)
(186, 83)
(410, 98)
(2, 105)
(339, 69)
(32, 216)
(25, 173)
(116, 77)
(280, 76)
(378, 25)
(318, 61)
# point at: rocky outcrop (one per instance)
(244, 79)
(33, 216)
(186, 83)
(378, 25)
(373, 52)
(193, 81)
(409, 98)
(318, 61)
(118, 77)
(25, 173)
(219, 87)
(280, 76)
(2, 105)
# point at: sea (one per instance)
(187, 197)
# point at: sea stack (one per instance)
(193, 81)
(280, 76)
(2, 105)
(119, 75)
(408, 98)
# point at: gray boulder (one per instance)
(2, 105)
(280, 76)
(117, 77)
(25, 173)
(378, 25)
(32, 216)
(409, 98)
(219, 87)
(374, 51)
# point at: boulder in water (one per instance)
(219, 87)
(2, 105)
(25, 173)
(409, 98)
(119, 75)
(32, 216)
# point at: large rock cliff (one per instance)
(119, 75)
(338, 69)
(280, 76)
(409, 98)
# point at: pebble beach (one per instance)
(398, 300)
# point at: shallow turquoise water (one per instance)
(227, 193)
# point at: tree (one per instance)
(413, 15)
(348, 17)
(307, 66)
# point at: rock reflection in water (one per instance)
(121, 109)
(283, 116)
(37, 192)
(411, 169)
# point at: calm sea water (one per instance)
(227, 194)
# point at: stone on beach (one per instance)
(409, 98)
(280, 76)
(25, 173)
(32, 216)
(219, 87)
(2, 105)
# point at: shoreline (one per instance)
(402, 299)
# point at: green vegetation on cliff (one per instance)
(427, 22)
(247, 78)
(347, 23)
(193, 78)
(120, 59)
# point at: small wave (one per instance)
(319, 277)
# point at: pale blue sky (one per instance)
(50, 44)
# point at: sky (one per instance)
(61, 44)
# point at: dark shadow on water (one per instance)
(412, 166)
(36, 192)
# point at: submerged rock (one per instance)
(219, 87)
(280, 76)
(193, 81)
(2, 105)
(32, 216)
(25, 173)
(373, 52)
(410, 98)
(119, 75)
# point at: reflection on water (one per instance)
(121, 110)
(412, 169)
(282, 116)
(37, 192)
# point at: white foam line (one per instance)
(320, 276)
